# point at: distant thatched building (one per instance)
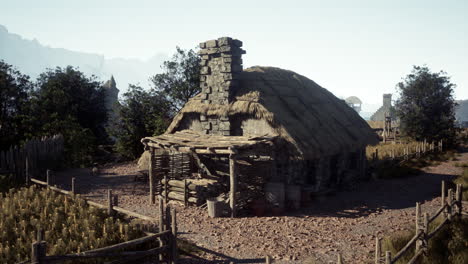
(262, 131)
(354, 102)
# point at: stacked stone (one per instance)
(221, 66)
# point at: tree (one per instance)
(69, 103)
(15, 89)
(180, 79)
(426, 105)
(141, 114)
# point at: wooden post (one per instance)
(449, 204)
(110, 210)
(378, 250)
(185, 193)
(418, 216)
(268, 260)
(161, 215)
(38, 252)
(115, 200)
(377, 154)
(26, 172)
(40, 234)
(233, 184)
(174, 236)
(48, 176)
(161, 223)
(442, 197)
(388, 257)
(73, 187)
(340, 260)
(460, 198)
(151, 175)
(166, 188)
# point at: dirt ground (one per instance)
(345, 223)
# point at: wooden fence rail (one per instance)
(167, 236)
(35, 155)
(450, 207)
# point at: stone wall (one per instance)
(221, 65)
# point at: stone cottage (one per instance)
(261, 132)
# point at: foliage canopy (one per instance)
(426, 106)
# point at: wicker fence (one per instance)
(166, 252)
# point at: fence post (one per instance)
(268, 260)
(377, 250)
(419, 241)
(48, 176)
(73, 187)
(340, 259)
(174, 235)
(388, 257)
(459, 198)
(425, 230)
(449, 205)
(38, 252)
(110, 210)
(26, 170)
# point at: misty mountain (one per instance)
(32, 58)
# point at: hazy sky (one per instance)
(360, 48)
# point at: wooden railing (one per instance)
(167, 236)
(451, 206)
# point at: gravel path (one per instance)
(346, 222)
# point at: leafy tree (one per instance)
(15, 91)
(141, 114)
(180, 79)
(68, 102)
(426, 105)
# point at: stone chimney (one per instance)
(387, 100)
(221, 65)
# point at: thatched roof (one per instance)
(306, 115)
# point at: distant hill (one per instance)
(32, 58)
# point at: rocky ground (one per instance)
(345, 223)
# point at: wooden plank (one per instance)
(87, 255)
(133, 214)
(126, 244)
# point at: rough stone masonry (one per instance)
(221, 65)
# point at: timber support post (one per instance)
(233, 182)
(174, 236)
(151, 175)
